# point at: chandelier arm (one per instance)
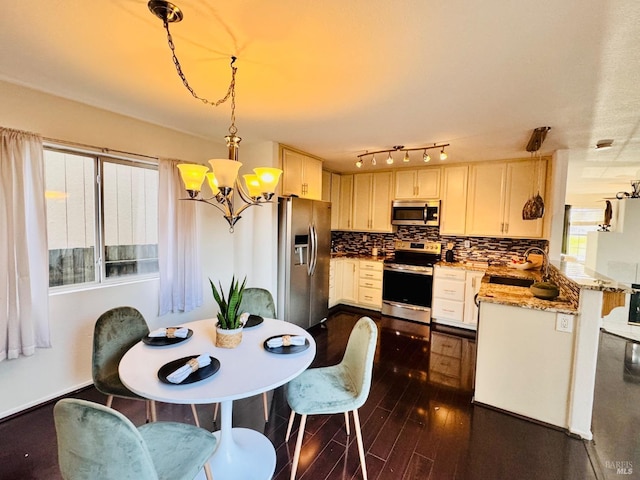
(183, 77)
(208, 202)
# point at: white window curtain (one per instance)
(24, 257)
(178, 252)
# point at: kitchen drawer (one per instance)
(370, 274)
(448, 289)
(444, 364)
(450, 273)
(446, 345)
(370, 265)
(445, 380)
(448, 309)
(370, 296)
(368, 283)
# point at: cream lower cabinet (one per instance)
(356, 282)
(370, 284)
(372, 201)
(421, 183)
(333, 265)
(496, 195)
(349, 286)
(454, 292)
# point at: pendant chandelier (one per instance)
(228, 192)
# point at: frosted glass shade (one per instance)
(192, 175)
(226, 171)
(253, 185)
(213, 182)
(268, 178)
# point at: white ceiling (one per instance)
(336, 78)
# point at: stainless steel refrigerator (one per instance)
(304, 252)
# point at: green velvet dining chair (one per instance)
(340, 388)
(97, 442)
(256, 301)
(115, 332)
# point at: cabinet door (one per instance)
(350, 281)
(326, 186)
(335, 201)
(332, 282)
(362, 201)
(428, 183)
(338, 275)
(486, 201)
(312, 178)
(405, 185)
(292, 178)
(454, 200)
(524, 179)
(381, 201)
(471, 289)
(344, 211)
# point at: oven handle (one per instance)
(407, 306)
(391, 268)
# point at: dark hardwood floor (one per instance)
(412, 429)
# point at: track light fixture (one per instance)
(406, 159)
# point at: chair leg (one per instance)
(195, 415)
(291, 417)
(296, 454)
(356, 423)
(154, 414)
(215, 411)
(346, 422)
(266, 408)
(207, 471)
(109, 401)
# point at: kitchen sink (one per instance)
(513, 281)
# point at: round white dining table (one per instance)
(247, 370)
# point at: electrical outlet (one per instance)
(467, 244)
(564, 322)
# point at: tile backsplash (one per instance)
(483, 249)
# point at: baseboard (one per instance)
(9, 414)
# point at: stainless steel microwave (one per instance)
(415, 212)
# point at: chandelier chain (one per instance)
(231, 92)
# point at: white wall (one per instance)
(28, 381)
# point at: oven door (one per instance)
(407, 291)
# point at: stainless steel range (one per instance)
(407, 280)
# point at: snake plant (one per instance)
(228, 316)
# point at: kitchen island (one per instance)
(537, 358)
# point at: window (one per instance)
(578, 222)
(102, 217)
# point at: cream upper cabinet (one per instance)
(486, 199)
(524, 179)
(326, 186)
(302, 174)
(344, 207)
(335, 200)
(372, 201)
(497, 194)
(453, 196)
(421, 183)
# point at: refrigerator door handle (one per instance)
(313, 237)
(310, 252)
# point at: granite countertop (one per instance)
(520, 296)
(590, 280)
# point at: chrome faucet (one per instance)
(545, 260)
